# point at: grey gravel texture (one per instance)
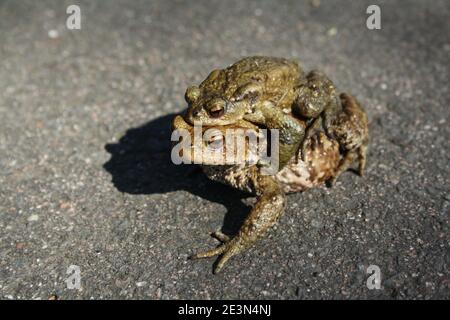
(85, 171)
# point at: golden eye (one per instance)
(216, 111)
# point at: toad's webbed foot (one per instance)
(228, 248)
(348, 160)
(219, 235)
(264, 215)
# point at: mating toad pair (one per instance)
(321, 133)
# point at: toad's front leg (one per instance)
(265, 213)
(291, 131)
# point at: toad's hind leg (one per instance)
(362, 157)
(350, 129)
(348, 160)
(316, 99)
(263, 216)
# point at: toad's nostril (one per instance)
(195, 112)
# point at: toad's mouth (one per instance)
(180, 123)
(219, 119)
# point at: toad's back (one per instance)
(278, 76)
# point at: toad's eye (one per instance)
(216, 111)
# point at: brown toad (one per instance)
(242, 92)
(325, 158)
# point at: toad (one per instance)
(326, 156)
(245, 89)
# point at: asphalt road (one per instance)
(86, 177)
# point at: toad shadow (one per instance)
(140, 163)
